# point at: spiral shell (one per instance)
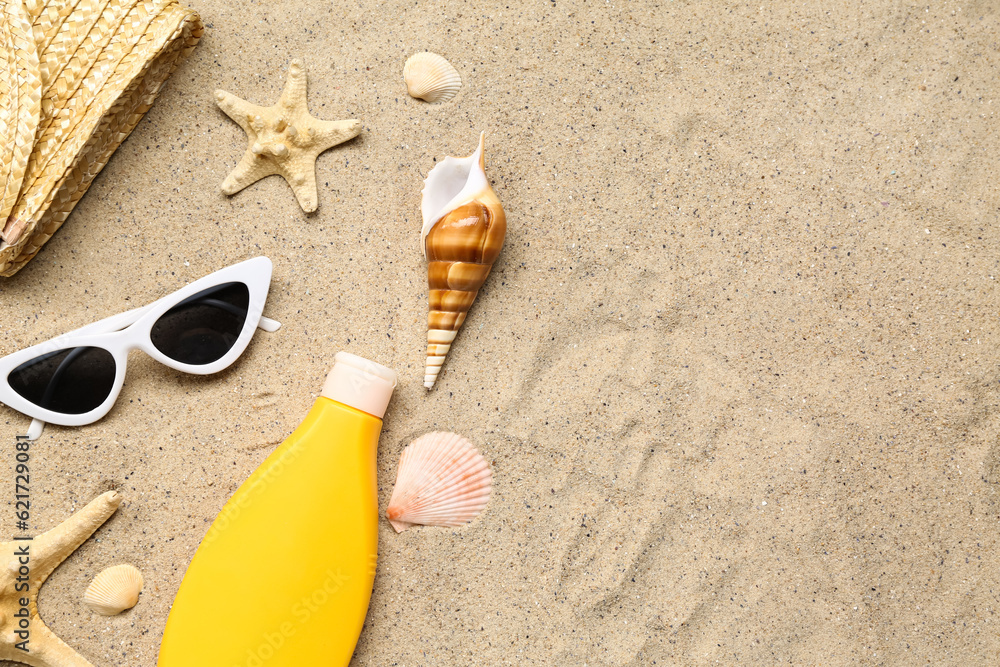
(430, 77)
(463, 232)
(114, 590)
(442, 480)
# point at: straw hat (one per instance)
(75, 79)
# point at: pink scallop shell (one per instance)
(442, 480)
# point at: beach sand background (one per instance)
(735, 369)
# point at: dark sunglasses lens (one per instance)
(204, 327)
(70, 382)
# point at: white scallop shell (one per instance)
(442, 481)
(430, 77)
(114, 590)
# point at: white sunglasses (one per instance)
(74, 379)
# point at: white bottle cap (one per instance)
(360, 383)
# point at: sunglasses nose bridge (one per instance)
(121, 343)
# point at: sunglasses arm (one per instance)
(269, 325)
(35, 430)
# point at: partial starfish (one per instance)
(284, 139)
(39, 557)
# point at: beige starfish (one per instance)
(40, 556)
(284, 139)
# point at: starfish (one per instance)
(283, 139)
(20, 626)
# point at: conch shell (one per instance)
(464, 228)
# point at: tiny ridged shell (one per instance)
(114, 590)
(442, 480)
(430, 77)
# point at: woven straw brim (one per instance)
(20, 101)
(102, 63)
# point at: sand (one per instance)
(735, 369)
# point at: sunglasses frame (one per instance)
(120, 334)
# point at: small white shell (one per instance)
(430, 77)
(114, 590)
(442, 481)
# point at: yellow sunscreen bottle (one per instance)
(284, 575)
